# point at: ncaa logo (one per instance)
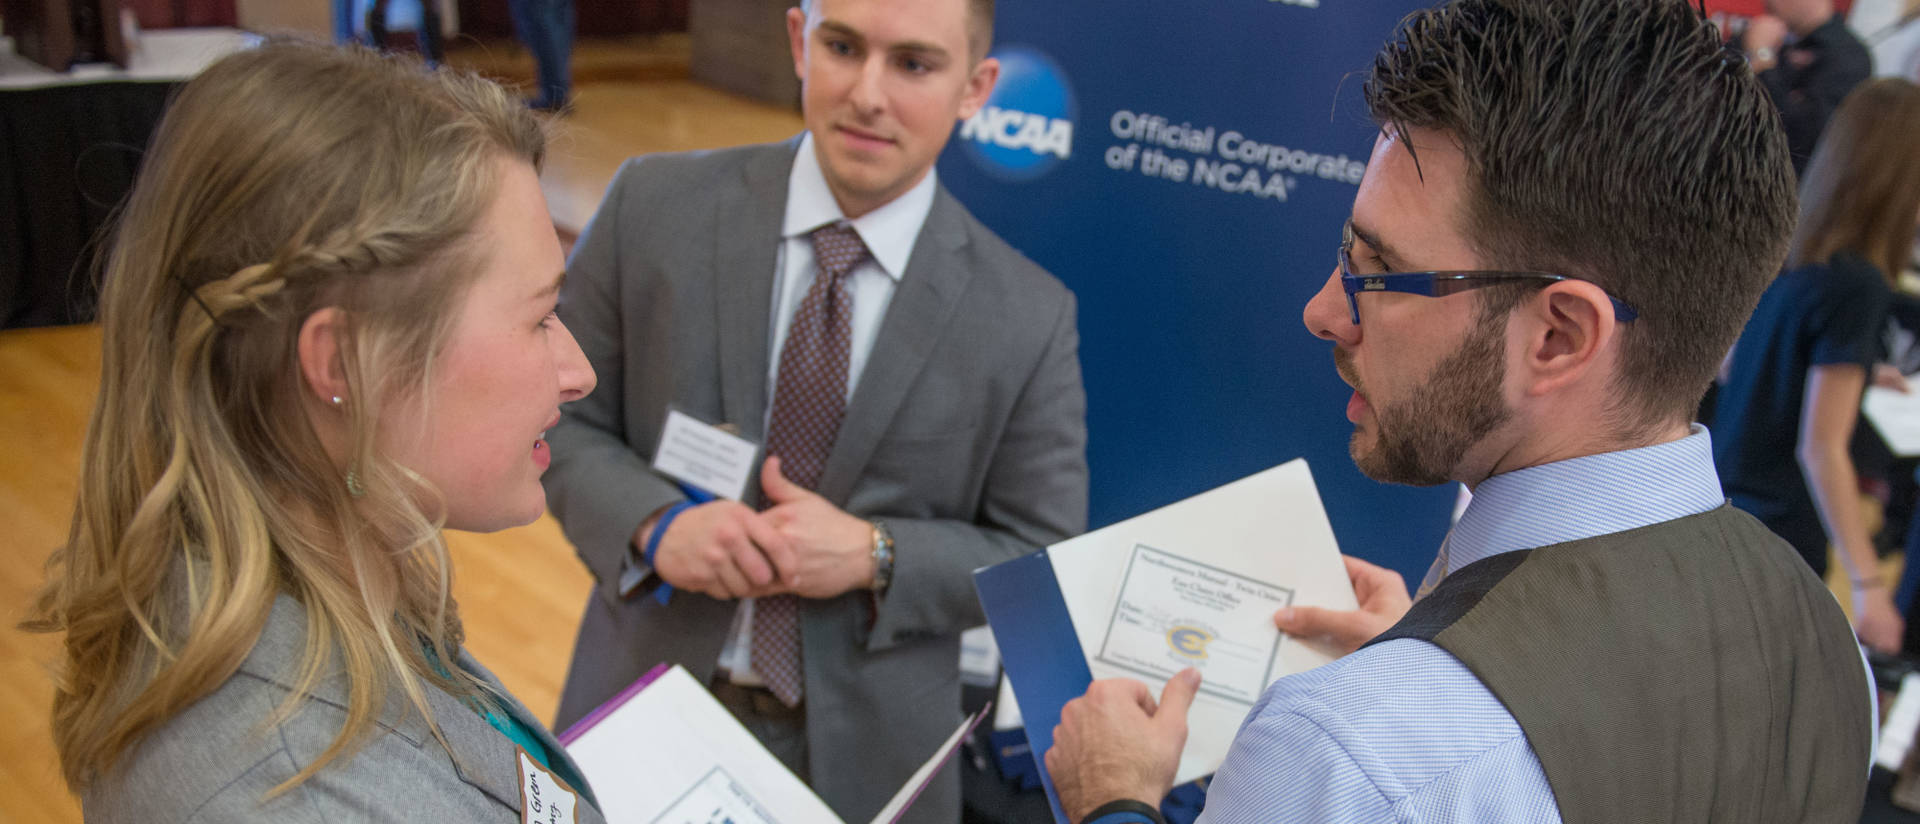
(1026, 126)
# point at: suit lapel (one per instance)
(916, 319)
(277, 657)
(585, 812)
(744, 257)
(482, 756)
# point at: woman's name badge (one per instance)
(544, 799)
(706, 456)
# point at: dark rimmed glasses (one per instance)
(1440, 284)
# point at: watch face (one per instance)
(882, 557)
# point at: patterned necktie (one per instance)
(810, 398)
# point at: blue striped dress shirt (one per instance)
(1402, 731)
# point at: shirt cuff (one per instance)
(634, 573)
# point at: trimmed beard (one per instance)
(1420, 441)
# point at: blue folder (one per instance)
(1038, 647)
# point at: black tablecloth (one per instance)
(68, 155)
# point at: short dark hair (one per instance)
(1617, 141)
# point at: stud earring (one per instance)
(354, 486)
(336, 400)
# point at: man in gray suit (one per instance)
(915, 380)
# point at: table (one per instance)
(70, 145)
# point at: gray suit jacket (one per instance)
(966, 433)
(212, 762)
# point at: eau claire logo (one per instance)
(1026, 126)
(1189, 641)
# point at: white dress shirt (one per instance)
(889, 233)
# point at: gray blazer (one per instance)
(213, 763)
(966, 434)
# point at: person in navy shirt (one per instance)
(1790, 398)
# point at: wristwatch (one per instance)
(882, 557)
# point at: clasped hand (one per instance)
(802, 545)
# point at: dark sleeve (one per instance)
(1124, 811)
(1808, 96)
(1850, 315)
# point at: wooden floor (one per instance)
(521, 591)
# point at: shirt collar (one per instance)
(1586, 497)
(889, 231)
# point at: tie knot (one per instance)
(837, 248)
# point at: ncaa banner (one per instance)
(1186, 169)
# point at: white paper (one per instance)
(1268, 529)
(1896, 736)
(673, 755)
(911, 790)
(979, 657)
(716, 799)
(1896, 415)
(705, 456)
(1006, 715)
(1173, 613)
(672, 750)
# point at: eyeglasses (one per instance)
(1440, 284)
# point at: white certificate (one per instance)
(1173, 613)
(665, 752)
(1896, 415)
(1133, 616)
(716, 799)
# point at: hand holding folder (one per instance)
(1133, 742)
(1192, 584)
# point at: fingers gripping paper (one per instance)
(1192, 584)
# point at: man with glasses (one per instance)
(1570, 210)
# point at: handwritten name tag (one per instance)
(543, 798)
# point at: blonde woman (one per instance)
(329, 331)
(1790, 393)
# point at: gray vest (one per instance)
(1689, 671)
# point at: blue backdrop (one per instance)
(1185, 169)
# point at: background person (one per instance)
(546, 28)
(1789, 399)
(328, 332)
(431, 41)
(1809, 61)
